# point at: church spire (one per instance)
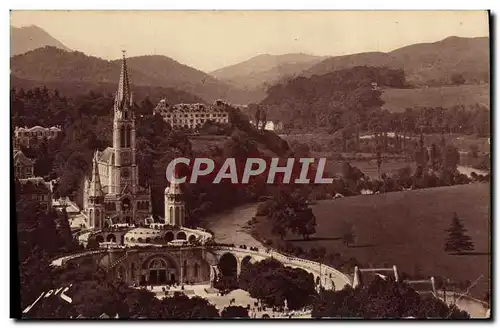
(95, 183)
(123, 95)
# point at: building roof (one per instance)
(37, 128)
(95, 185)
(37, 182)
(106, 155)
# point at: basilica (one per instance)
(112, 193)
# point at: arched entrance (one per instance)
(99, 238)
(181, 235)
(126, 204)
(169, 236)
(192, 239)
(228, 265)
(161, 271)
(245, 262)
(111, 238)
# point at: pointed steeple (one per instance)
(95, 183)
(123, 96)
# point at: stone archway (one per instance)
(245, 262)
(192, 239)
(99, 238)
(160, 270)
(181, 235)
(228, 265)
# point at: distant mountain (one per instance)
(424, 63)
(27, 38)
(171, 73)
(50, 64)
(262, 71)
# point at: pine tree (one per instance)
(458, 241)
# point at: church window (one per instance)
(122, 136)
(177, 216)
(171, 214)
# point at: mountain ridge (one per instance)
(426, 64)
(27, 38)
(50, 64)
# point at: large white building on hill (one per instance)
(192, 116)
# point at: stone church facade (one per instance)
(112, 194)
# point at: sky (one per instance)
(208, 40)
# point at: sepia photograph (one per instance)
(279, 165)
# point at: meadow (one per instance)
(406, 229)
(397, 100)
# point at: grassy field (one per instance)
(396, 100)
(406, 229)
(369, 167)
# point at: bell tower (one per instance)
(175, 208)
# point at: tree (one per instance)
(379, 160)
(273, 283)
(451, 158)
(234, 312)
(348, 235)
(381, 298)
(457, 241)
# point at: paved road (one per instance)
(228, 227)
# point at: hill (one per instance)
(407, 229)
(261, 71)
(27, 38)
(50, 64)
(77, 88)
(330, 100)
(424, 63)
